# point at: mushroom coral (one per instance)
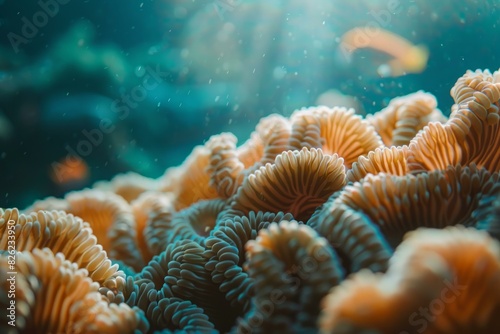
(398, 204)
(129, 185)
(297, 182)
(472, 131)
(439, 281)
(225, 251)
(226, 169)
(292, 269)
(65, 234)
(390, 160)
(189, 182)
(193, 223)
(158, 225)
(65, 300)
(112, 222)
(401, 120)
(146, 205)
(487, 214)
(335, 131)
(109, 216)
(249, 238)
(164, 287)
(229, 164)
(353, 235)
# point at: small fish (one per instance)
(69, 172)
(406, 57)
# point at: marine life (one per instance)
(426, 280)
(406, 57)
(225, 243)
(69, 171)
(171, 168)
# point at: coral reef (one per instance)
(323, 221)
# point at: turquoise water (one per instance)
(201, 103)
(223, 67)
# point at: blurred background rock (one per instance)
(223, 64)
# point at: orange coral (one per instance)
(112, 222)
(335, 130)
(297, 182)
(189, 182)
(398, 204)
(390, 160)
(401, 120)
(225, 168)
(148, 204)
(67, 300)
(473, 123)
(129, 185)
(229, 164)
(62, 233)
(429, 288)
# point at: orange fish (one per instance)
(69, 170)
(407, 58)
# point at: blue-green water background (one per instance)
(223, 67)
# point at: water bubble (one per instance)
(140, 71)
(279, 72)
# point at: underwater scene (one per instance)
(250, 166)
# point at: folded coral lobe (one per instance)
(297, 182)
(439, 281)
